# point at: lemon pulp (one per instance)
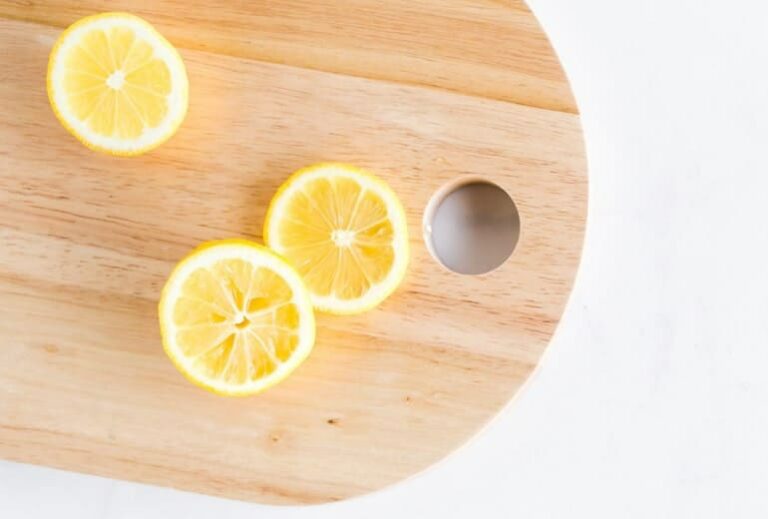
(236, 318)
(345, 231)
(117, 84)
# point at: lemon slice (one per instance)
(116, 84)
(235, 318)
(345, 231)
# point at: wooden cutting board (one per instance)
(421, 92)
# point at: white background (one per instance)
(652, 401)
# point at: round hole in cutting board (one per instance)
(471, 226)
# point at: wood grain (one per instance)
(421, 93)
(487, 48)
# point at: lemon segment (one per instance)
(235, 318)
(116, 84)
(346, 233)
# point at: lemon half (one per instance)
(346, 233)
(116, 84)
(236, 318)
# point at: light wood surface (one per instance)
(419, 92)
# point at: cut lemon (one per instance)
(345, 231)
(116, 84)
(236, 318)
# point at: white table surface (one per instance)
(652, 400)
